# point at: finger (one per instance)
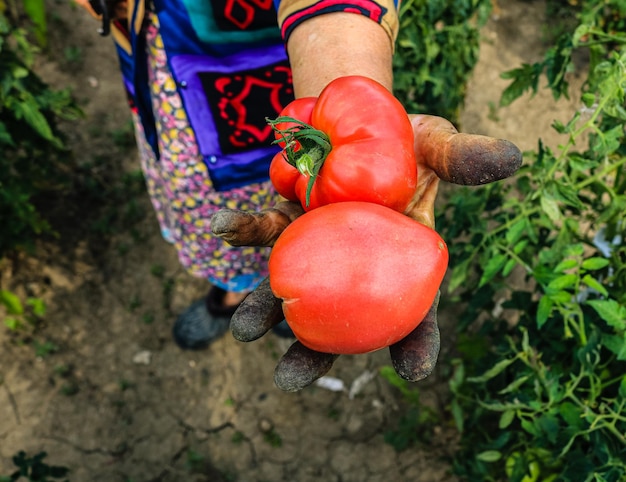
(415, 356)
(301, 366)
(422, 206)
(257, 314)
(458, 158)
(241, 228)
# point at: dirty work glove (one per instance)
(442, 154)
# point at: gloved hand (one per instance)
(442, 154)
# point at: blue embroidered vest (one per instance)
(231, 70)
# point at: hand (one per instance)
(442, 154)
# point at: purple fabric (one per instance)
(249, 161)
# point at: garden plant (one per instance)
(34, 153)
(539, 264)
(437, 49)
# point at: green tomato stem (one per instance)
(306, 148)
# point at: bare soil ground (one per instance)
(112, 398)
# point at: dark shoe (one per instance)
(283, 330)
(204, 321)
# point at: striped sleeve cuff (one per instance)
(292, 13)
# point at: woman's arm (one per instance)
(338, 44)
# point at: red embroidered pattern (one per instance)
(234, 9)
(240, 103)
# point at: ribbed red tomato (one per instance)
(352, 143)
(355, 277)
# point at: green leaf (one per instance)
(529, 427)
(489, 456)
(458, 275)
(36, 10)
(562, 297)
(616, 344)
(579, 33)
(29, 111)
(519, 247)
(551, 208)
(525, 340)
(614, 211)
(493, 266)
(506, 419)
(595, 263)
(558, 126)
(514, 233)
(531, 231)
(611, 312)
(5, 137)
(20, 72)
(569, 195)
(622, 387)
(572, 414)
(524, 78)
(588, 99)
(513, 386)
(580, 163)
(608, 142)
(12, 302)
(457, 414)
(562, 282)
(565, 265)
(549, 424)
(458, 377)
(595, 285)
(12, 323)
(493, 371)
(508, 267)
(38, 306)
(501, 407)
(557, 62)
(544, 310)
(407, 44)
(574, 250)
(568, 128)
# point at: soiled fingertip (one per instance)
(505, 159)
(415, 372)
(243, 228)
(415, 356)
(474, 160)
(225, 221)
(257, 314)
(299, 367)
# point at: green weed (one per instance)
(34, 469)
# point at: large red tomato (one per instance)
(356, 277)
(352, 143)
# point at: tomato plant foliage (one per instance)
(539, 387)
(436, 51)
(32, 145)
